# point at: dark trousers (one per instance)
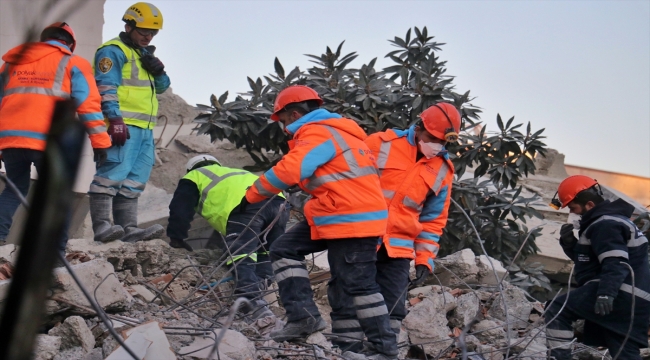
(18, 166)
(352, 264)
(249, 247)
(393, 279)
(598, 329)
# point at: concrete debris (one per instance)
(519, 307)
(486, 272)
(8, 254)
(467, 308)
(233, 346)
(319, 339)
(75, 353)
(95, 354)
(96, 274)
(457, 269)
(426, 324)
(141, 292)
(532, 346)
(47, 347)
(148, 341)
(490, 331)
(74, 332)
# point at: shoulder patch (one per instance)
(105, 65)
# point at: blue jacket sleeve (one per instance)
(109, 61)
(608, 239)
(161, 83)
(181, 209)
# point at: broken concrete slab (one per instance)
(74, 333)
(148, 341)
(461, 267)
(47, 347)
(110, 295)
(233, 346)
(142, 292)
(519, 307)
(486, 272)
(467, 306)
(94, 354)
(75, 353)
(427, 322)
(490, 331)
(319, 339)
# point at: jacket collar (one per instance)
(314, 116)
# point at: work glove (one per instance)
(152, 64)
(100, 156)
(180, 244)
(604, 305)
(243, 204)
(567, 239)
(421, 274)
(118, 131)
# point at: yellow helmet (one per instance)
(144, 15)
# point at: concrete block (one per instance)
(234, 346)
(74, 333)
(485, 271)
(47, 347)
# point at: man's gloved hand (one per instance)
(243, 204)
(566, 235)
(100, 156)
(153, 65)
(604, 305)
(421, 274)
(118, 131)
(180, 244)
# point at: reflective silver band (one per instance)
(368, 299)
(345, 324)
(128, 193)
(138, 116)
(291, 272)
(96, 130)
(637, 292)
(109, 97)
(38, 91)
(382, 158)
(444, 169)
(260, 189)
(408, 202)
(563, 334)
(632, 242)
(279, 264)
(555, 344)
(613, 253)
(133, 184)
(97, 189)
(372, 312)
(107, 182)
(420, 246)
(315, 182)
(106, 88)
(388, 194)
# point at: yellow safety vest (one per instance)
(136, 94)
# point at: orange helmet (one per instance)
(54, 31)
(442, 120)
(569, 188)
(293, 94)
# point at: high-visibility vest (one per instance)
(222, 189)
(136, 94)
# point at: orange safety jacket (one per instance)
(417, 193)
(34, 77)
(329, 160)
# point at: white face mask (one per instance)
(430, 150)
(575, 220)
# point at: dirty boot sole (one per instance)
(113, 233)
(287, 334)
(155, 231)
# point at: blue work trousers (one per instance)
(18, 164)
(352, 264)
(249, 247)
(127, 168)
(392, 278)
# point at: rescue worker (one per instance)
(215, 191)
(416, 177)
(33, 78)
(610, 264)
(346, 215)
(128, 76)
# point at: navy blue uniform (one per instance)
(608, 241)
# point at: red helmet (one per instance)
(442, 120)
(570, 187)
(293, 94)
(54, 32)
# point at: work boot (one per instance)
(299, 329)
(180, 244)
(100, 214)
(125, 214)
(257, 310)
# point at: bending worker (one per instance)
(416, 177)
(34, 77)
(128, 77)
(215, 191)
(610, 264)
(346, 215)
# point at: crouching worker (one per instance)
(215, 191)
(611, 266)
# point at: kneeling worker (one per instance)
(215, 191)
(611, 266)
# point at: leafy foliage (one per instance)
(394, 97)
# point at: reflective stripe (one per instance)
(97, 189)
(102, 88)
(5, 79)
(368, 299)
(637, 292)
(128, 193)
(408, 202)
(38, 91)
(349, 336)
(388, 194)
(382, 158)
(553, 344)
(261, 189)
(134, 184)
(96, 130)
(372, 312)
(216, 179)
(107, 182)
(345, 324)
(420, 246)
(563, 334)
(242, 256)
(444, 169)
(60, 73)
(134, 80)
(138, 116)
(632, 242)
(613, 253)
(109, 97)
(279, 264)
(400, 242)
(291, 272)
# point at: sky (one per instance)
(579, 69)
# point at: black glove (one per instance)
(604, 305)
(100, 156)
(567, 238)
(180, 244)
(153, 65)
(243, 204)
(421, 274)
